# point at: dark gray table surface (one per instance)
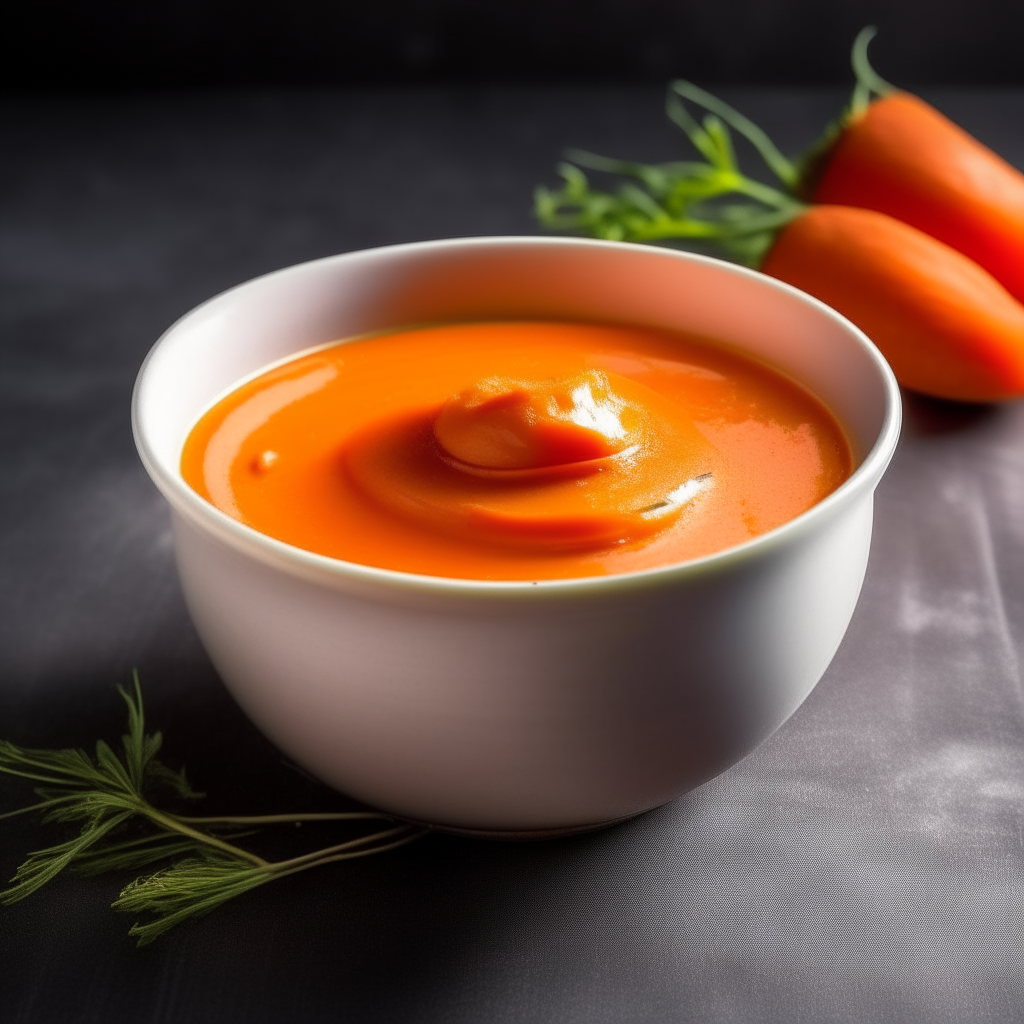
(865, 864)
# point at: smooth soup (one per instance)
(517, 450)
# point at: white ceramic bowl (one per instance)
(517, 706)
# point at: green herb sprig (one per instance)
(110, 796)
(708, 202)
(690, 202)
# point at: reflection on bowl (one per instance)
(515, 706)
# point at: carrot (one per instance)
(902, 157)
(946, 326)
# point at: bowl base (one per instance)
(526, 835)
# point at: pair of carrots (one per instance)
(918, 238)
(899, 220)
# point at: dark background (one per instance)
(129, 44)
(863, 866)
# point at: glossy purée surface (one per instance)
(517, 450)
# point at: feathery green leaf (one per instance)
(120, 829)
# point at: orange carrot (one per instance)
(946, 325)
(902, 157)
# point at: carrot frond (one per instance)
(782, 167)
(869, 82)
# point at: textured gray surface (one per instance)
(866, 864)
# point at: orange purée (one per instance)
(517, 450)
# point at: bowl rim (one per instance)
(329, 570)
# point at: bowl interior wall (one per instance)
(242, 331)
